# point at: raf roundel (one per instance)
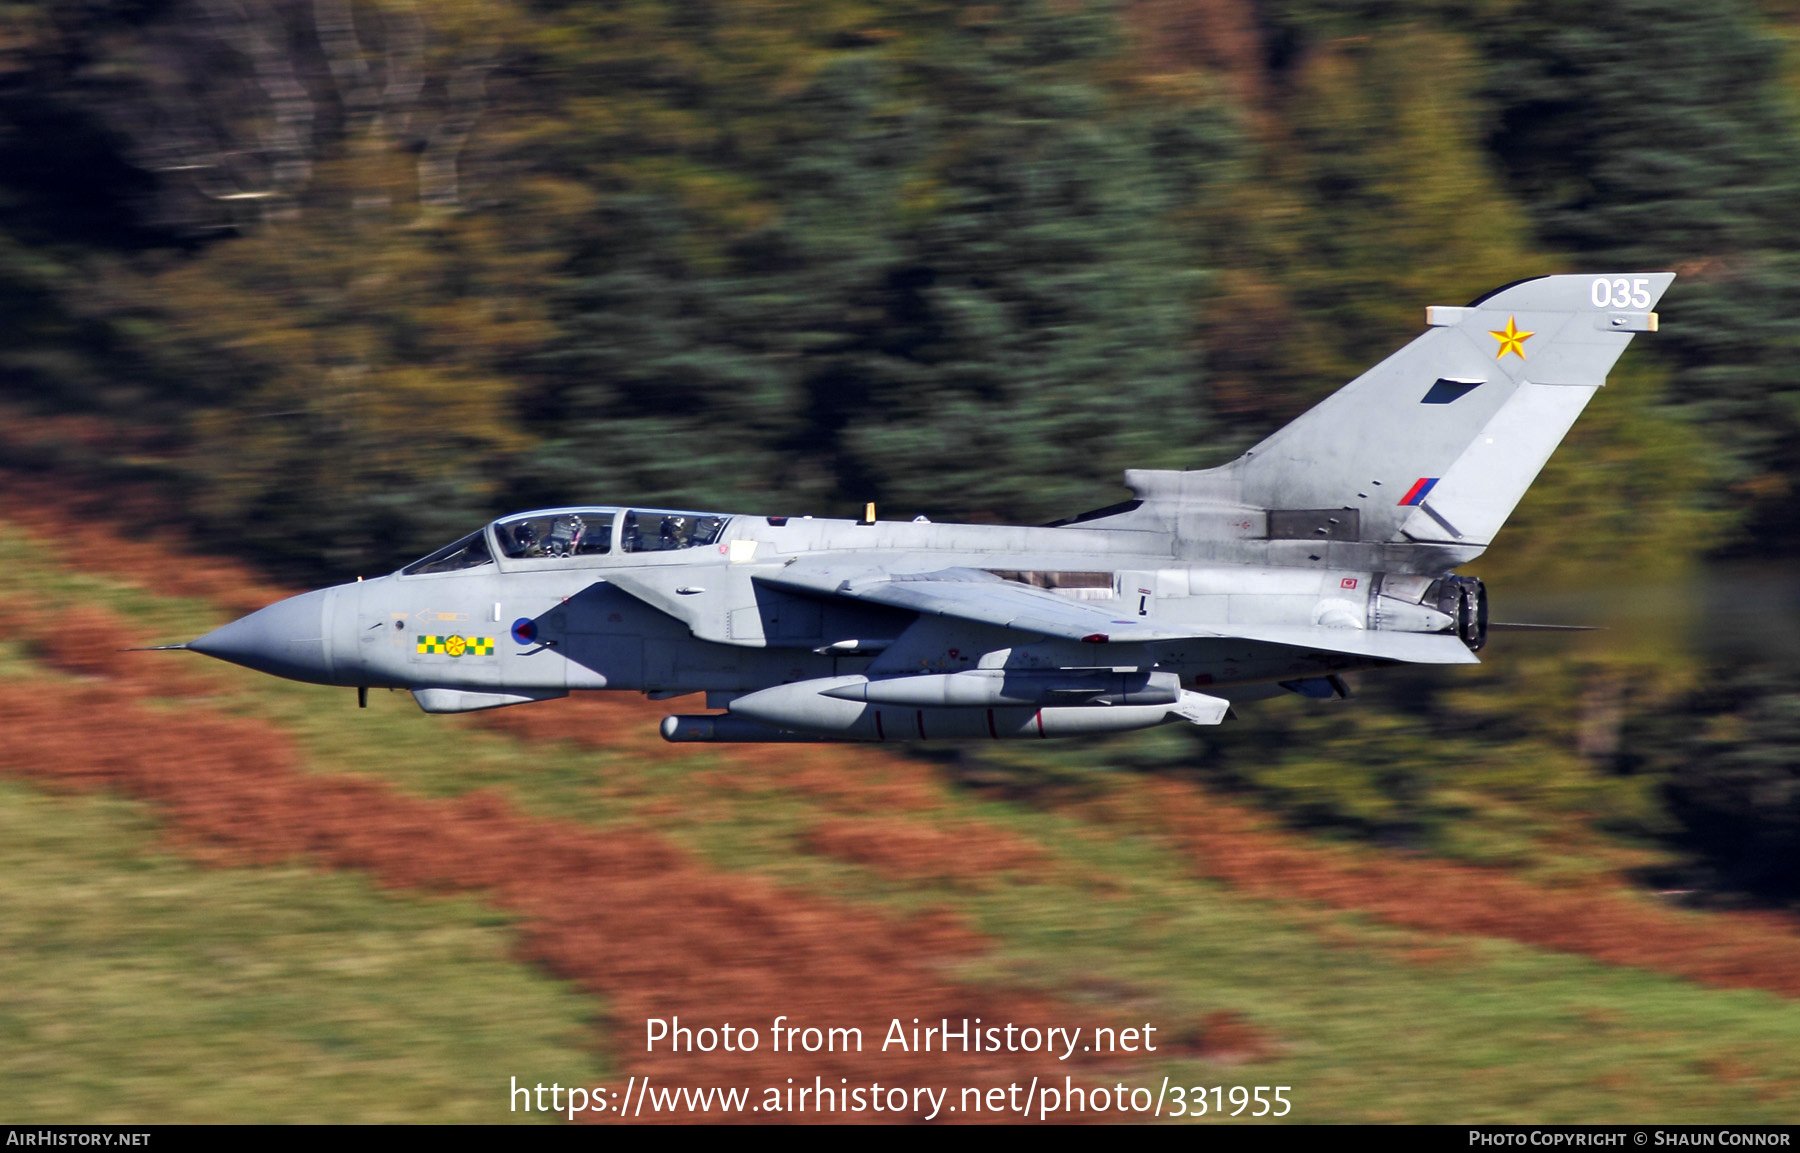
(524, 631)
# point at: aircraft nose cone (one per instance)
(286, 639)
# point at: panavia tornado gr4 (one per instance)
(1330, 546)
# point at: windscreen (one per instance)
(469, 552)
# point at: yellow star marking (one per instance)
(455, 646)
(1511, 339)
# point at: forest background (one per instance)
(325, 283)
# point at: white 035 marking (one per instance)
(1620, 293)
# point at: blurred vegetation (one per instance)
(1731, 760)
(334, 280)
(139, 987)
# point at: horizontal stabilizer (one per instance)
(1378, 644)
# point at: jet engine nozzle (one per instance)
(1451, 604)
(1464, 600)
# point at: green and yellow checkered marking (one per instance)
(455, 645)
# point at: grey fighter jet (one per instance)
(1330, 546)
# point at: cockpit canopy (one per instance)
(657, 531)
(576, 532)
(564, 533)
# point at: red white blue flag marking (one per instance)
(1420, 490)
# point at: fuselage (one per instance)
(623, 602)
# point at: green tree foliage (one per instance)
(1373, 195)
(65, 190)
(281, 304)
(1661, 136)
(343, 401)
(1731, 761)
(1375, 191)
(940, 263)
(723, 255)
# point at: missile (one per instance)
(723, 728)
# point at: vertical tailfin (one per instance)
(1437, 443)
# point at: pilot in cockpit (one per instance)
(524, 540)
(565, 536)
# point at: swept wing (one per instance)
(983, 598)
